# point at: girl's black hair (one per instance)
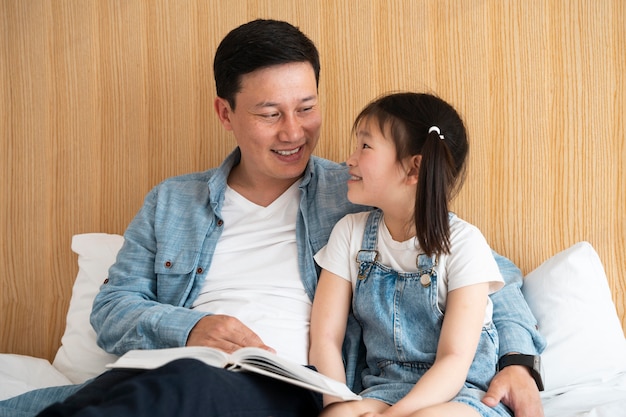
(424, 124)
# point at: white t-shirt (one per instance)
(254, 274)
(470, 260)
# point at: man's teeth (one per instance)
(354, 177)
(287, 153)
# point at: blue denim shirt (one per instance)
(159, 271)
(146, 301)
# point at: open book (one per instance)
(249, 359)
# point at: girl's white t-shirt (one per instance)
(254, 274)
(470, 260)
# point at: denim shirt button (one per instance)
(168, 264)
(199, 270)
(220, 223)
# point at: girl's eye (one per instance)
(366, 146)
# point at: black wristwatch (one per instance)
(532, 362)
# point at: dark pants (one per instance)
(187, 387)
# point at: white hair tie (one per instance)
(437, 130)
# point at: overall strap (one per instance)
(368, 253)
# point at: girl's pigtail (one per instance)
(436, 174)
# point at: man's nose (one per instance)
(291, 129)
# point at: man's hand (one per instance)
(225, 333)
(515, 388)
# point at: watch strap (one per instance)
(532, 362)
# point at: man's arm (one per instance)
(517, 330)
(517, 327)
(129, 312)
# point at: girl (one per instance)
(416, 277)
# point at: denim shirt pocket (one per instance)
(175, 271)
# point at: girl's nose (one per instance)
(351, 161)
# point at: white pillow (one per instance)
(20, 373)
(79, 357)
(570, 297)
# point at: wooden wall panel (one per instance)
(100, 100)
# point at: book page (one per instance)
(266, 363)
(153, 358)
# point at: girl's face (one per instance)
(377, 178)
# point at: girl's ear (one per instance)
(222, 108)
(413, 169)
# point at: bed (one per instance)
(584, 362)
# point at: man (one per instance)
(224, 258)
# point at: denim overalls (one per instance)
(401, 324)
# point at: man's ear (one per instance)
(223, 111)
(413, 169)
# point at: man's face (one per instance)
(276, 121)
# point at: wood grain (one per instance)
(101, 100)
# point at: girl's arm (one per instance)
(460, 333)
(328, 326)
